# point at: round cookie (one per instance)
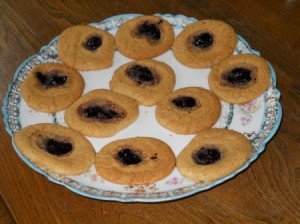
(55, 149)
(144, 37)
(147, 81)
(205, 43)
(140, 160)
(101, 113)
(52, 87)
(213, 154)
(188, 110)
(86, 48)
(240, 78)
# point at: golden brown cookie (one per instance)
(147, 81)
(101, 113)
(240, 78)
(52, 87)
(144, 37)
(213, 154)
(140, 160)
(188, 110)
(205, 43)
(86, 48)
(55, 149)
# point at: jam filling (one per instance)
(207, 155)
(92, 43)
(141, 75)
(149, 30)
(184, 102)
(238, 77)
(101, 112)
(128, 156)
(203, 40)
(57, 147)
(51, 79)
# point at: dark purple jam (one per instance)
(141, 75)
(207, 155)
(149, 30)
(101, 112)
(93, 43)
(51, 79)
(203, 40)
(238, 76)
(128, 157)
(57, 147)
(184, 102)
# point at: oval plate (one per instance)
(258, 120)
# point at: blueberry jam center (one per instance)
(93, 43)
(141, 75)
(51, 79)
(128, 157)
(149, 30)
(57, 147)
(102, 112)
(184, 102)
(238, 76)
(207, 155)
(203, 40)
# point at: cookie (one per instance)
(144, 37)
(213, 154)
(101, 113)
(240, 78)
(205, 43)
(188, 110)
(52, 87)
(55, 149)
(140, 160)
(147, 81)
(86, 48)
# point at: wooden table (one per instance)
(267, 192)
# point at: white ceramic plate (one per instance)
(258, 120)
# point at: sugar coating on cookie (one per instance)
(52, 87)
(144, 37)
(147, 81)
(86, 48)
(205, 43)
(240, 78)
(101, 113)
(140, 160)
(213, 154)
(55, 149)
(188, 110)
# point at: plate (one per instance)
(258, 120)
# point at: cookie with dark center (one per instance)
(205, 43)
(144, 37)
(52, 87)
(55, 149)
(140, 160)
(213, 154)
(188, 110)
(147, 81)
(86, 48)
(101, 113)
(240, 78)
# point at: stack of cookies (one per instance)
(101, 113)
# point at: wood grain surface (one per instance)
(267, 192)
